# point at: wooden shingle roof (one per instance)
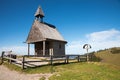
(39, 12)
(43, 31)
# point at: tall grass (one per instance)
(107, 56)
(85, 71)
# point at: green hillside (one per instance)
(110, 56)
(85, 71)
(107, 69)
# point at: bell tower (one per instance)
(39, 14)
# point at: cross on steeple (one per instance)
(39, 14)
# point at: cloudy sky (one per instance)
(95, 22)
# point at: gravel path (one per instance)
(6, 74)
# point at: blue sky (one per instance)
(96, 22)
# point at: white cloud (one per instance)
(74, 47)
(103, 35)
(104, 39)
(20, 50)
(98, 40)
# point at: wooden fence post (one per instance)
(87, 57)
(23, 62)
(2, 57)
(10, 61)
(67, 59)
(91, 58)
(78, 58)
(51, 59)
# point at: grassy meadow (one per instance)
(75, 71)
(110, 56)
(107, 69)
(85, 71)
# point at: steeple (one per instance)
(39, 14)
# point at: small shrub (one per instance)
(115, 50)
(42, 78)
(93, 57)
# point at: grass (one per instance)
(12, 67)
(74, 71)
(107, 69)
(42, 69)
(109, 57)
(42, 78)
(85, 71)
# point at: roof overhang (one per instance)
(47, 39)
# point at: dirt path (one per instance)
(6, 74)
